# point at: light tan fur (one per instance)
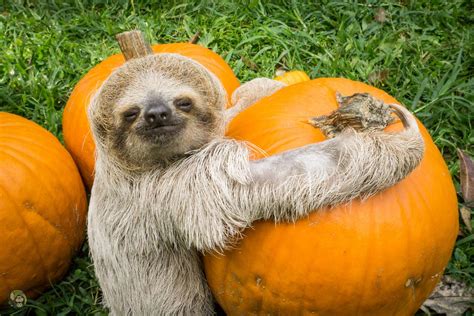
(251, 92)
(158, 202)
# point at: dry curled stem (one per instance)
(360, 111)
(133, 44)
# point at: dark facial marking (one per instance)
(131, 114)
(205, 117)
(184, 104)
(119, 136)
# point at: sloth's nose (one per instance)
(157, 114)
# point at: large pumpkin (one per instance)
(76, 130)
(382, 256)
(42, 207)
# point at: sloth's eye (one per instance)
(131, 114)
(185, 104)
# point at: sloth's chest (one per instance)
(140, 227)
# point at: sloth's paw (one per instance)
(360, 112)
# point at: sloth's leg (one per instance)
(249, 93)
(349, 165)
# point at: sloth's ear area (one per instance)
(100, 122)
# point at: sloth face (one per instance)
(162, 119)
(156, 109)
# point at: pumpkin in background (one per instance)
(293, 77)
(76, 130)
(42, 207)
(382, 256)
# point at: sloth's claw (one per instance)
(407, 119)
(360, 112)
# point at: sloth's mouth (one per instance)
(161, 133)
(164, 128)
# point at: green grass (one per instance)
(422, 54)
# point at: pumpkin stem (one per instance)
(133, 44)
(195, 38)
(360, 111)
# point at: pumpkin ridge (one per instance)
(226, 280)
(58, 228)
(10, 124)
(24, 139)
(408, 234)
(271, 269)
(21, 148)
(33, 240)
(4, 278)
(88, 134)
(421, 197)
(30, 141)
(365, 290)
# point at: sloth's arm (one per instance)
(226, 192)
(249, 93)
(335, 171)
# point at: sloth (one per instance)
(170, 186)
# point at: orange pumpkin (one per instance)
(42, 207)
(382, 256)
(293, 77)
(76, 130)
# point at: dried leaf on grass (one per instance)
(378, 76)
(466, 217)
(280, 71)
(467, 178)
(249, 63)
(380, 16)
(195, 38)
(450, 297)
